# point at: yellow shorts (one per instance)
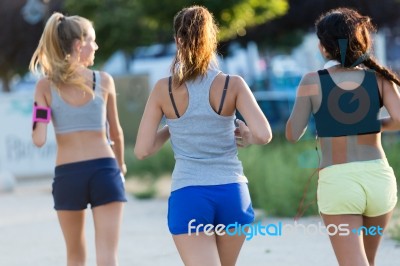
(366, 187)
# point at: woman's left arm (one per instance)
(391, 100)
(39, 129)
(116, 133)
(150, 138)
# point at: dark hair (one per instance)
(348, 24)
(196, 34)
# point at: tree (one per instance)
(119, 24)
(285, 32)
(23, 23)
(126, 24)
(233, 16)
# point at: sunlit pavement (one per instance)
(30, 235)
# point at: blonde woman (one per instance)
(79, 101)
(209, 189)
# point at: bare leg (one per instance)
(107, 221)
(349, 249)
(371, 242)
(197, 250)
(229, 248)
(73, 227)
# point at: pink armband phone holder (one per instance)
(41, 114)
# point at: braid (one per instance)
(348, 24)
(385, 72)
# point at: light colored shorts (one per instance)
(367, 188)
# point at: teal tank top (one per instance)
(348, 112)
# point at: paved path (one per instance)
(30, 236)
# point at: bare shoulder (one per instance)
(43, 85)
(237, 83)
(384, 83)
(161, 87)
(309, 85)
(43, 91)
(107, 81)
(310, 78)
(237, 80)
(105, 76)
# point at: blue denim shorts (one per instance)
(95, 182)
(216, 204)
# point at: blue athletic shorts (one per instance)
(95, 182)
(216, 204)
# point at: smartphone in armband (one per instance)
(41, 114)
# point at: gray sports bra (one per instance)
(89, 117)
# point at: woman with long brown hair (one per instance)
(209, 189)
(357, 188)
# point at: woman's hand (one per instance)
(123, 169)
(242, 134)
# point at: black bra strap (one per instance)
(94, 81)
(323, 72)
(223, 95)
(172, 97)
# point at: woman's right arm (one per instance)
(297, 123)
(150, 138)
(39, 129)
(116, 133)
(257, 130)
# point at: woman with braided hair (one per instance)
(357, 188)
(209, 189)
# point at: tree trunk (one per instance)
(6, 83)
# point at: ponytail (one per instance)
(385, 72)
(196, 38)
(55, 48)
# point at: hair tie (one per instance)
(342, 50)
(61, 19)
(361, 59)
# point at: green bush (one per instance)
(132, 94)
(153, 167)
(394, 226)
(278, 175)
(391, 145)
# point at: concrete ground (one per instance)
(30, 235)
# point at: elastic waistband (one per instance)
(356, 166)
(88, 164)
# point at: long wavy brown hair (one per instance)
(196, 37)
(348, 24)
